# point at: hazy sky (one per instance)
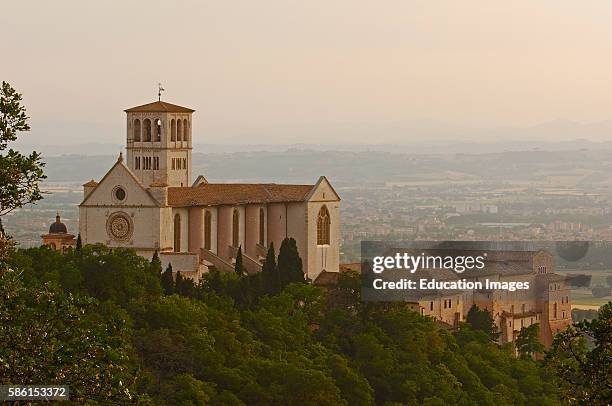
(308, 70)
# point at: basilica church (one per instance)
(147, 201)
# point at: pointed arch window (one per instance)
(177, 233)
(147, 130)
(137, 130)
(207, 230)
(235, 227)
(323, 222)
(262, 226)
(179, 129)
(173, 130)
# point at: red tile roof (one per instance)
(327, 278)
(352, 267)
(160, 106)
(212, 194)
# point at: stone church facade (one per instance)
(148, 202)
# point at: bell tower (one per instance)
(159, 143)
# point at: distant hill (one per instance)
(590, 166)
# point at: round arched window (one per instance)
(119, 193)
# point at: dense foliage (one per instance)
(53, 337)
(207, 345)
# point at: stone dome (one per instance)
(58, 227)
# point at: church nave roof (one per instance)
(212, 194)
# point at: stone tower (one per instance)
(159, 142)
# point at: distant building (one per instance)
(546, 302)
(58, 237)
(475, 207)
(565, 226)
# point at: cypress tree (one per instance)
(269, 272)
(79, 243)
(184, 286)
(156, 263)
(167, 281)
(178, 282)
(290, 265)
(238, 266)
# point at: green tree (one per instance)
(184, 286)
(289, 263)
(19, 174)
(167, 281)
(62, 339)
(269, 272)
(481, 320)
(178, 282)
(156, 263)
(214, 282)
(238, 266)
(79, 243)
(117, 274)
(585, 371)
(528, 341)
(7, 245)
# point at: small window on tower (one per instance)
(147, 130)
(158, 130)
(137, 130)
(184, 163)
(173, 163)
